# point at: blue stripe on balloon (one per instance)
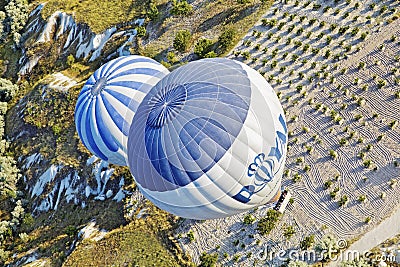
(84, 97)
(131, 103)
(131, 84)
(102, 70)
(111, 64)
(153, 145)
(115, 116)
(85, 90)
(143, 71)
(282, 121)
(78, 119)
(183, 177)
(91, 142)
(92, 80)
(103, 130)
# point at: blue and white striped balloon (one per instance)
(209, 140)
(108, 102)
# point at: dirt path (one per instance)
(385, 230)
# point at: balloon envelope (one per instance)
(108, 101)
(209, 140)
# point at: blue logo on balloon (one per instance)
(261, 170)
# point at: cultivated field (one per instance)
(335, 65)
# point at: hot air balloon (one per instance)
(108, 101)
(209, 141)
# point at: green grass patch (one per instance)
(140, 243)
(133, 244)
(209, 20)
(99, 15)
(52, 236)
(245, 18)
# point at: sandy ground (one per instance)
(385, 230)
(353, 93)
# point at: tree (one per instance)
(307, 242)
(141, 31)
(208, 260)
(181, 8)
(17, 13)
(249, 219)
(70, 60)
(266, 224)
(7, 90)
(182, 40)
(227, 39)
(8, 177)
(327, 246)
(2, 18)
(203, 47)
(153, 12)
(289, 232)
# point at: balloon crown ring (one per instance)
(166, 105)
(98, 86)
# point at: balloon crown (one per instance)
(166, 104)
(99, 86)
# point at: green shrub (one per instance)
(2, 22)
(210, 54)
(289, 232)
(153, 12)
(208, 260)
(307, 242)
(4, 255)
(181, 8)
(10, 174)
(190, 235)
(171, 57)
(71, 231)
(333, 154)
(267, 224)
(141, 31)
(17, 13)
(362, 198)
(203, 47)
(343, 200)
(7, 90)
(249, 219)
(227, 39)
(182, 40)
(70, 60)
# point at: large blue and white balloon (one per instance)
(108, 102)
(209, 140)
